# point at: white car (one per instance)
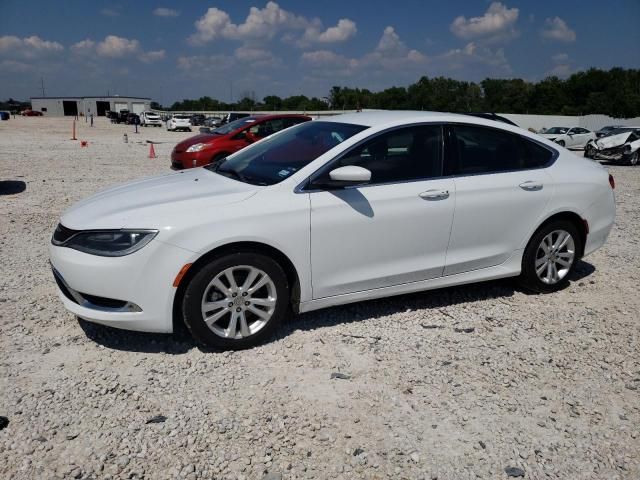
(150, 118)
(179, 122)
(621, 145)
(332, 211)
(575, 137)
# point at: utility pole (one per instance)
(42, 83)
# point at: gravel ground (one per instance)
(460, 383)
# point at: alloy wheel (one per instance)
(555, 256)
(239, 302)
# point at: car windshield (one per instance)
(557, 130)
(277, 157)
(231, 126)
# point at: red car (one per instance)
(208, 148)
(31, 113)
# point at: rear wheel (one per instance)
(236, 301)
(588, 151)
(550, 257)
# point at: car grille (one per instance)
(62, 234)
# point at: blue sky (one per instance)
(174, 50)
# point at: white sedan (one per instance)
(337, 210)
(575, 137)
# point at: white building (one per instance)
(72, 106)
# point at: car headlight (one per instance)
(196, 147)
(108, 243)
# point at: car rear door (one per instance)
(391, 231)
(502, 189)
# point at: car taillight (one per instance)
(612, 182)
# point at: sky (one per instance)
(226, 49)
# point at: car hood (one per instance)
(202, 138)
(613, 140)
(156, 202)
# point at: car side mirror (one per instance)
(350, 175)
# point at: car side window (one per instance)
(267, 128)
(476, 150)
(400, 155)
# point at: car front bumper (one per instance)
(134, 292)
(190, 159)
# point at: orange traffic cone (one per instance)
(152, 151)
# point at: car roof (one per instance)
(262, 117)
(381, 118)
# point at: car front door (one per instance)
(502, 190)
(393, 230)
(582, 137)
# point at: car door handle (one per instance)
(435, 194)
(531, 186)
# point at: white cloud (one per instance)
(28, 47)
(15, 66)
(562, 66)
(254, 55)
(116, 47)
(557, 29)
(390, 54)
(344, 30)
(152, 56)
(109, 12)
(83, 47)
(474, 56)
(498, 23)
(199, 64)
(560, 57)
(265, 23)
(165, 12)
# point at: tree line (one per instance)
(614, 92)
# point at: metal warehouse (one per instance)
(72, 106)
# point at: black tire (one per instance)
(561, 143)
(191, 301)
(588, 152)
(528, 278)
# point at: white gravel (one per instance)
(458, 383)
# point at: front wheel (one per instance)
(561, 143)
(588, 151)
(550, 257)
(633, 158)
(236, 301)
